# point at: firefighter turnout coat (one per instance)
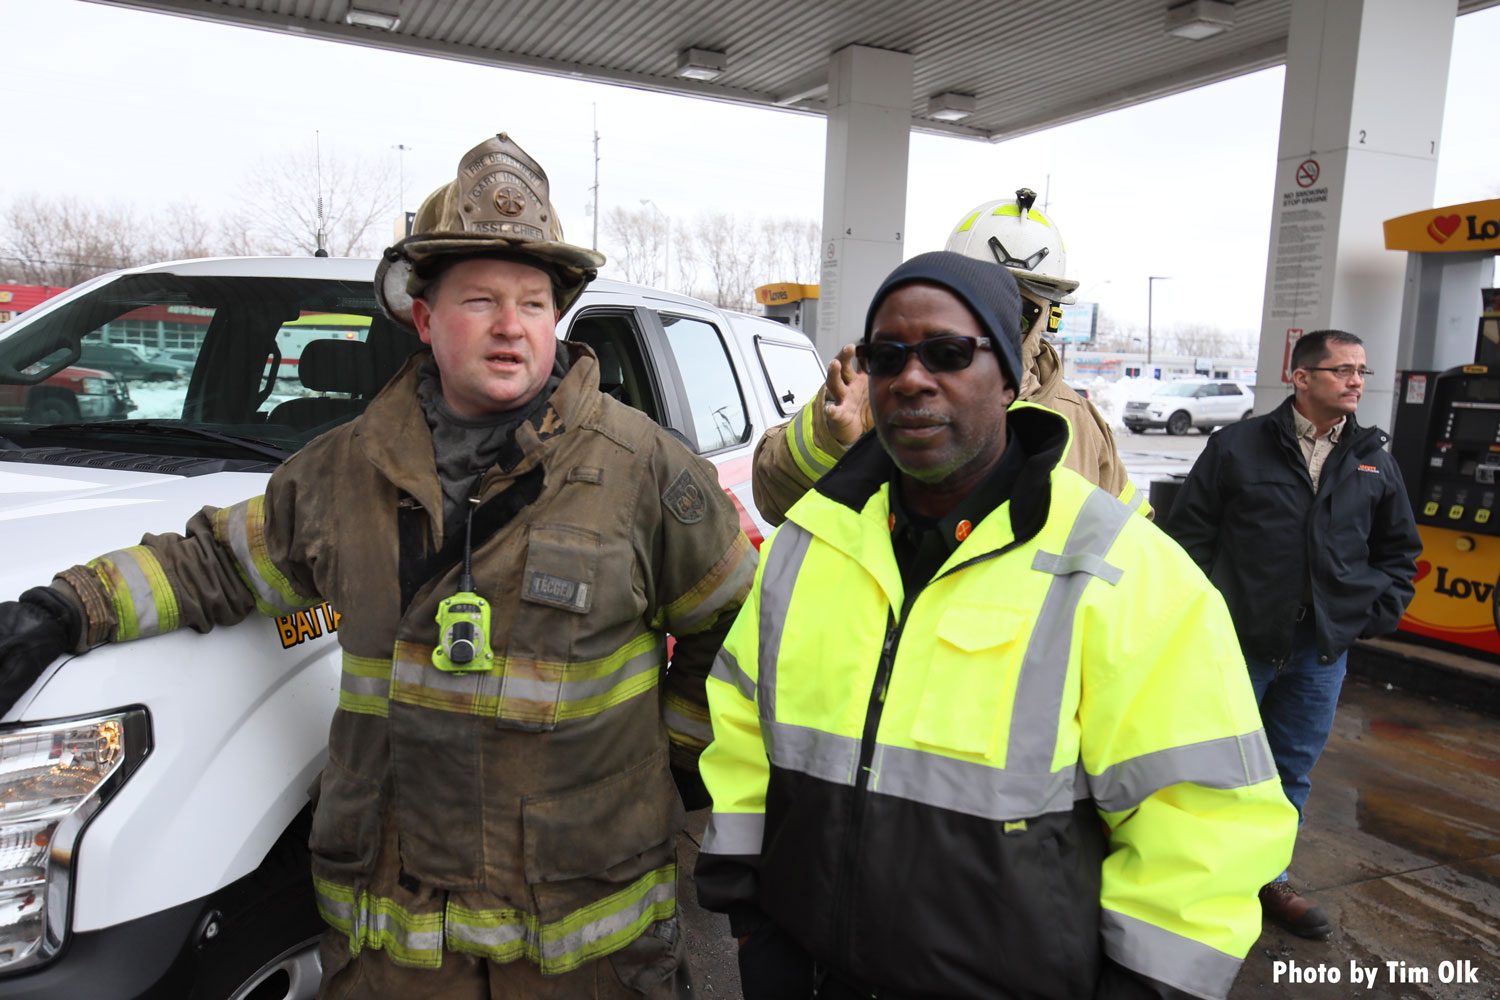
(526, 811)
(1056, 753)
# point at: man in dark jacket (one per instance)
(1300, 518)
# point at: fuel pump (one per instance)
(1446, 435)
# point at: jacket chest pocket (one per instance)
(965, 704)
(557, 591)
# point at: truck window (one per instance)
(616, 342)
(794, 373)
(713, 390)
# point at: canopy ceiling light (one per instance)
(700, 64)
(382, 14)
(950, 106)
(1198, 19)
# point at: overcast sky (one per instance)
(114, 105)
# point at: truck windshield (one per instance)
(273, 361)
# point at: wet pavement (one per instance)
(1401, 849)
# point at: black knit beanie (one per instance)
(987, 289)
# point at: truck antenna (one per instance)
(322, 250)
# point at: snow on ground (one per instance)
(163, 400)
(1111, 397)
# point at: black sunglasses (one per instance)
(886, 358)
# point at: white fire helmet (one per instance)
(1016, 235)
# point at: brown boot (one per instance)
(1292, 910)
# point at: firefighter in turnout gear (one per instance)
(791, 456)
(498, 814)
(1024, 759)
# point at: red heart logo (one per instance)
(1423, 568)
(1443, 227)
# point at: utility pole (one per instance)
(596, 177)
(401, 150)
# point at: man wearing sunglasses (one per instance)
(980, 731)
(790, 457)
(1300, 518)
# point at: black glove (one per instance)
(774, 967)
(34, 631)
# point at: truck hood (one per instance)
(52, 517)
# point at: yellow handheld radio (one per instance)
(464, 622)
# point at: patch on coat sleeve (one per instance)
(685, 499)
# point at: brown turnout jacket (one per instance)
(526, 810)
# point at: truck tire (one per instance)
(1179, 423)
(260, 937)
(51, 406)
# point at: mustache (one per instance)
(917, 416)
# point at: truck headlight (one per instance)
(96, 386)
(54, 776)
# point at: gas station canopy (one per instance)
(983, 69)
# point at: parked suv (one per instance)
(154, 795)
(1178, 406)
(129, 363)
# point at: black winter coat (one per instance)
(1248, 516)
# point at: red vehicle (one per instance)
(71, 394)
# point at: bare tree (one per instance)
(636, 244)
(717, 256)
(181, 231)
(62, 241)
(291, 198)
(1204, 340)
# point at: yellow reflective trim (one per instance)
(1015, 210)
(250, 516)
(481, 693)
(967, 224)
(547, 944)
(382, 924)
(803, 444)
(689, 613)
(687, 721)
(161, 589)
(126, 625)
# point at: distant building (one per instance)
(16, 299)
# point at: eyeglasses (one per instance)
(886, 358)
(1342, 371)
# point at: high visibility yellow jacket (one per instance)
(527, 811)
(791, 456)
(1054, 754)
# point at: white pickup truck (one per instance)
(153, 795)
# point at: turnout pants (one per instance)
(371, 975)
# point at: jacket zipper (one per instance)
(843, 887)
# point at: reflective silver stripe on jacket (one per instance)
(1044, 670)
(808, 450)
(1168, 958)
(1228, 762)
(788, 552)
(734, 833)
(967, 786)
(727, 669)
(143, 597)
(811, 751)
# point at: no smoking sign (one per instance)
(1307, 173)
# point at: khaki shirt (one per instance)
(1315, 450)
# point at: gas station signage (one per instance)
(1468, 228)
